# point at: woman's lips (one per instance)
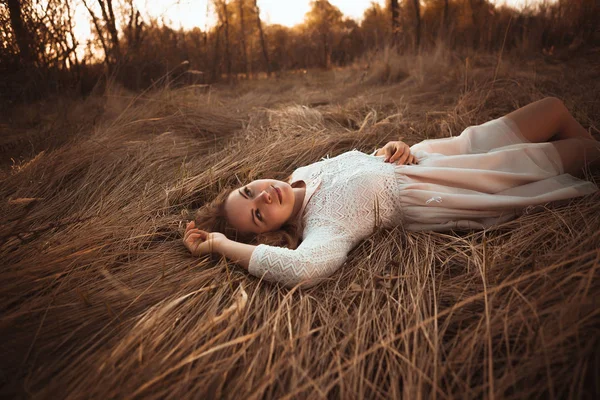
(278, 194)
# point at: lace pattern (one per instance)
(356, 195)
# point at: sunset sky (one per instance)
(190, 13)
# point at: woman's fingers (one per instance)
(197, 241)
(188, 233)
(390, 149)
(197, 232)
(195, 236)
(190, 225)
(401, 155)
(193, 231)
(404, 158)
(193, 243)
(398, 153)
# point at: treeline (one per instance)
(38, 47)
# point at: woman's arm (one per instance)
(239, 253)
(321, 253)
(200, 243)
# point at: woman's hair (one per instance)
(211, 217)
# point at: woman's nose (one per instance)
(266, 197)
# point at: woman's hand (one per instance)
(398, 152)
(200, 242)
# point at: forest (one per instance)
(110, 144)
(40, 52)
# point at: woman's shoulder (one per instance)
(314, 170)
(350, 153)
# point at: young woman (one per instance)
(485, 176)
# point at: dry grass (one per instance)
(99, 298)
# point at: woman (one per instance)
(487, 175)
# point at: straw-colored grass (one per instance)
(100, 299)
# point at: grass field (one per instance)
(100, 299)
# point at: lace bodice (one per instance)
(346, 198)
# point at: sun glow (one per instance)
(188, 14)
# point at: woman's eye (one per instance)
(259, 215)
(247, 191)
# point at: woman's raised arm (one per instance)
(200, 243)
(239, 253)
(321, 253)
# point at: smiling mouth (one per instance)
(278, 193)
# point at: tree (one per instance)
(395, 21)
(418, 24)
(215, 61)
(445, 18)
(243, 37)
(224, 17)
(262, 38)
(375, 27)
(22, 34)
(322, 21)
(134, 30)
(476, 6)
(110, 44)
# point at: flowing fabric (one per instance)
(486, 175)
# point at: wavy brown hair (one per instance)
(211, 217)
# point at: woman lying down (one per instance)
(485, 176)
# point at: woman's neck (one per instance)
(299, 189)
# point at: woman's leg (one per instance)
(577, 153)
(541, 121)
(547, 119)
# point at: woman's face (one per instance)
(261, 206)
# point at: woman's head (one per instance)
(264, 205)
(237, 213)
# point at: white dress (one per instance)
(481, 178)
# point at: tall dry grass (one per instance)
(100, 299)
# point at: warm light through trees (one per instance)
(38, 43)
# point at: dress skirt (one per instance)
(485, 176)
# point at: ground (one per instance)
(101, 300)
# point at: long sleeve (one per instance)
(321, 253)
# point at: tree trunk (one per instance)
(113, 30)
(418, 24)
(215, 65)
(109, 18)
(445, 18)
(227, 54)
(474, 10)
(133, 32)
(262, 39)
(76, 71)
(100, 35)
(243, 39)
(395, 22)
(22, 36)
(326, 52)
